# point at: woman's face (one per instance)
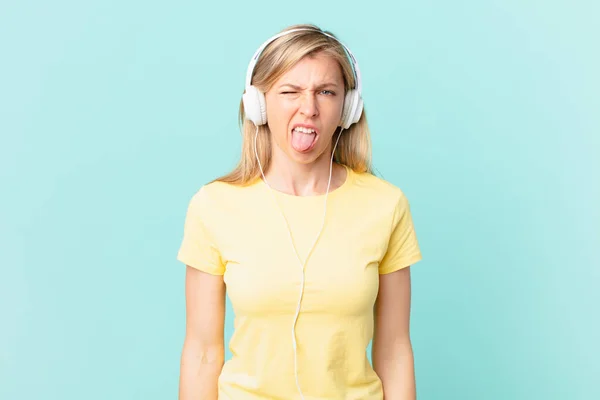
(304, 108)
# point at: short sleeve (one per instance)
(198, 248)
(403, 248)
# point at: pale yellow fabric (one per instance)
(238, 232)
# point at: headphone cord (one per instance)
(302, 264)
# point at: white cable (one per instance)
(302, 264)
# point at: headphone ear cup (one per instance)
(358, 108)
(346, 109)
(255, 106)
(353, 106)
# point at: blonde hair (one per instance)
(354, 146)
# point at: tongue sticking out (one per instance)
(302, 141)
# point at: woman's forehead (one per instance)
(318, 68)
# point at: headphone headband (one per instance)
(254, 60)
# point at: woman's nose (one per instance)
(308, 106)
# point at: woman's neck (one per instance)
(288, 176)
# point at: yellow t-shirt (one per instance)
(239, 233)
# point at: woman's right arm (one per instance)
(203, 350)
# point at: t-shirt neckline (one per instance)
(332, 193)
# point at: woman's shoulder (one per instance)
(217, 194)
(217, 188)
(377, 186)
(380, 194)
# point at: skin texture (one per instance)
(316, 98)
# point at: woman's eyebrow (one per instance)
(321, 86)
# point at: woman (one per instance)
(313, 249)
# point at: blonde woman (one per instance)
(313, 249)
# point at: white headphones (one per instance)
(254, 100)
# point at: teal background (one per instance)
(486, 113)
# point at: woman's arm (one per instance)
(392, 350)
(203, 349)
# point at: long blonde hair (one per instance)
(354, 146)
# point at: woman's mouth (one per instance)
(303, 139)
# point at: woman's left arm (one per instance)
(392, 352)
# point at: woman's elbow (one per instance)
(198, 354)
